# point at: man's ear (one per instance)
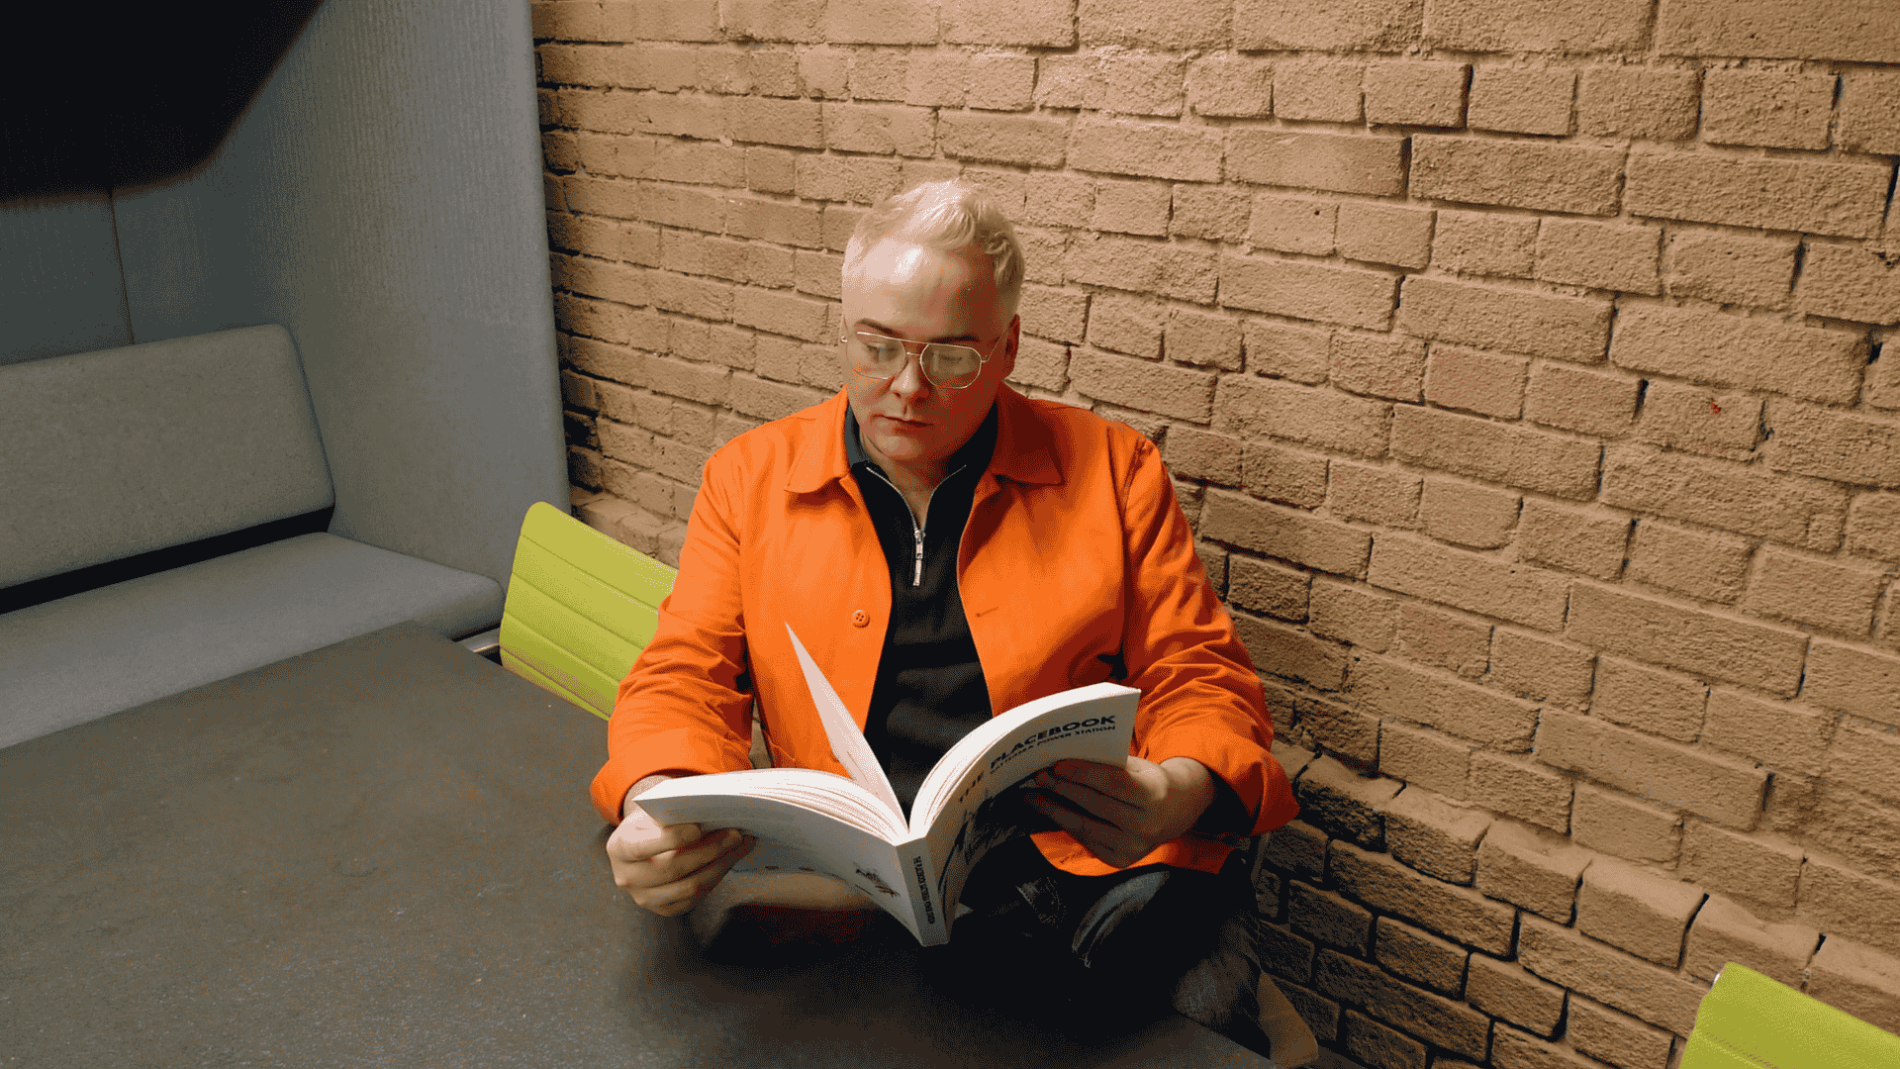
(1008, 356)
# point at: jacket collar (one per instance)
(1025, 449)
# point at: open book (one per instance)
(854, 829)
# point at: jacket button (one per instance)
(860, 618)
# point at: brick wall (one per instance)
(1520, 363)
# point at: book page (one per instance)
(802, 824)
(847, 742)
(966, 805)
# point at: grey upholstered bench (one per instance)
(110, 454)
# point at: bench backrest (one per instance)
(109, 454)
(1748, 1021)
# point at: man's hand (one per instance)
(667, 870)
(1125, 812)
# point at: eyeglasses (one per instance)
(879, 356)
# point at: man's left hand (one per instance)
(1121, 814)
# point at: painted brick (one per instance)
(1352, 613)
(1293, 224)
(1517, 174)
(1730, 350)
(1700, 420)
(1048, 23)
(1841, 901)
(1135, 24)
(1376, 495)
(1036, 141)
(1469, 515)
(1320, 1014)
(1590, 541)
(1441, 639)
(1371, 164)
(1747, 500)
(1489, 384)
(1327, 918)
(1383, 234)
(1057, 199)
(1424, 758)
(1347, 806)
(879, 22)
(1285, 651)
(1217, 213)
(1298, 848)
(1530, 867)
(1867, 758)
(1319, 417)
(1522, 789)
(1448, 1024)
(1609, 256)
(1516, 320)
(1775, 28)
(1126, 325)
(1320, 90)
(1142, 84)
(1628, 907)
(1289, 476)
(1383, 365)
(1537, 668)
(1810, 440)
(937, 79)
(1684, 777)
(1473, 582)
(1392, 688)
(1850, 282)
(1616, 1038)
(1059, 315)
(1758, 868)
(1775, 109)
(1725, 932)
(770, 170)
(1873, 526)
(1853, 680)
(1285, 533)
(1536, 25)
(1504, 990)
(1859, 980)
(1432, 835)
(1266, 587)
(1170, 391)
(1516, 456)
(879, 75)
(1230, 87)
(1731, 268)
(1376, 25)
(1379, 1047)
(1870, 112)
(1576, 399)
(1481, 243)
(1657, 702)
(1822, 593)
(821, 73)
(1164, 270)
(794, 123)
(1415, 93)
(1303, 290)
(1778, 735)
(1610, 976)
(1613, 823)
(1521, 100)
(1153, 151)
(1346, 732)
(1285, 954)
(1511, 1049)
(854, 178)
(1647, 103)
(705, 344)
(1001, 82)
(1419, 957)
(780, 313)
(1813, 196)
(763, 20)
(1195, 454)
(665, 20)
(1203, 340)
(1041, 363)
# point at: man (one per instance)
(948, 549)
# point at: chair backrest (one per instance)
(1748, 1021)
(109, 454)
(581, 606)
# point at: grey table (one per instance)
(381, 853)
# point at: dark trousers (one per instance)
(1128, 945)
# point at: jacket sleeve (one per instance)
(1200, 695)
(685, 706)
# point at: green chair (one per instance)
(1748, 1021)
(581, 606)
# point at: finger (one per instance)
(672, 899)
(645, 839)
(1107, 842)
(683, 862)
(1118, 783)
(1107, 807)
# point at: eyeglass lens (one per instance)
(881, 357)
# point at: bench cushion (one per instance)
(106, 650)
(121, 451)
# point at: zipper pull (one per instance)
(917, 569)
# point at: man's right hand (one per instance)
(668, 870)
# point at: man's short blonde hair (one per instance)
(946, 215)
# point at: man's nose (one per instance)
(911, 379)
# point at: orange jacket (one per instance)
(1075, 548)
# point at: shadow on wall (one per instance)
(149, 95)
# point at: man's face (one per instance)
(924, 295)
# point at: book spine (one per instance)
(933, 928)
